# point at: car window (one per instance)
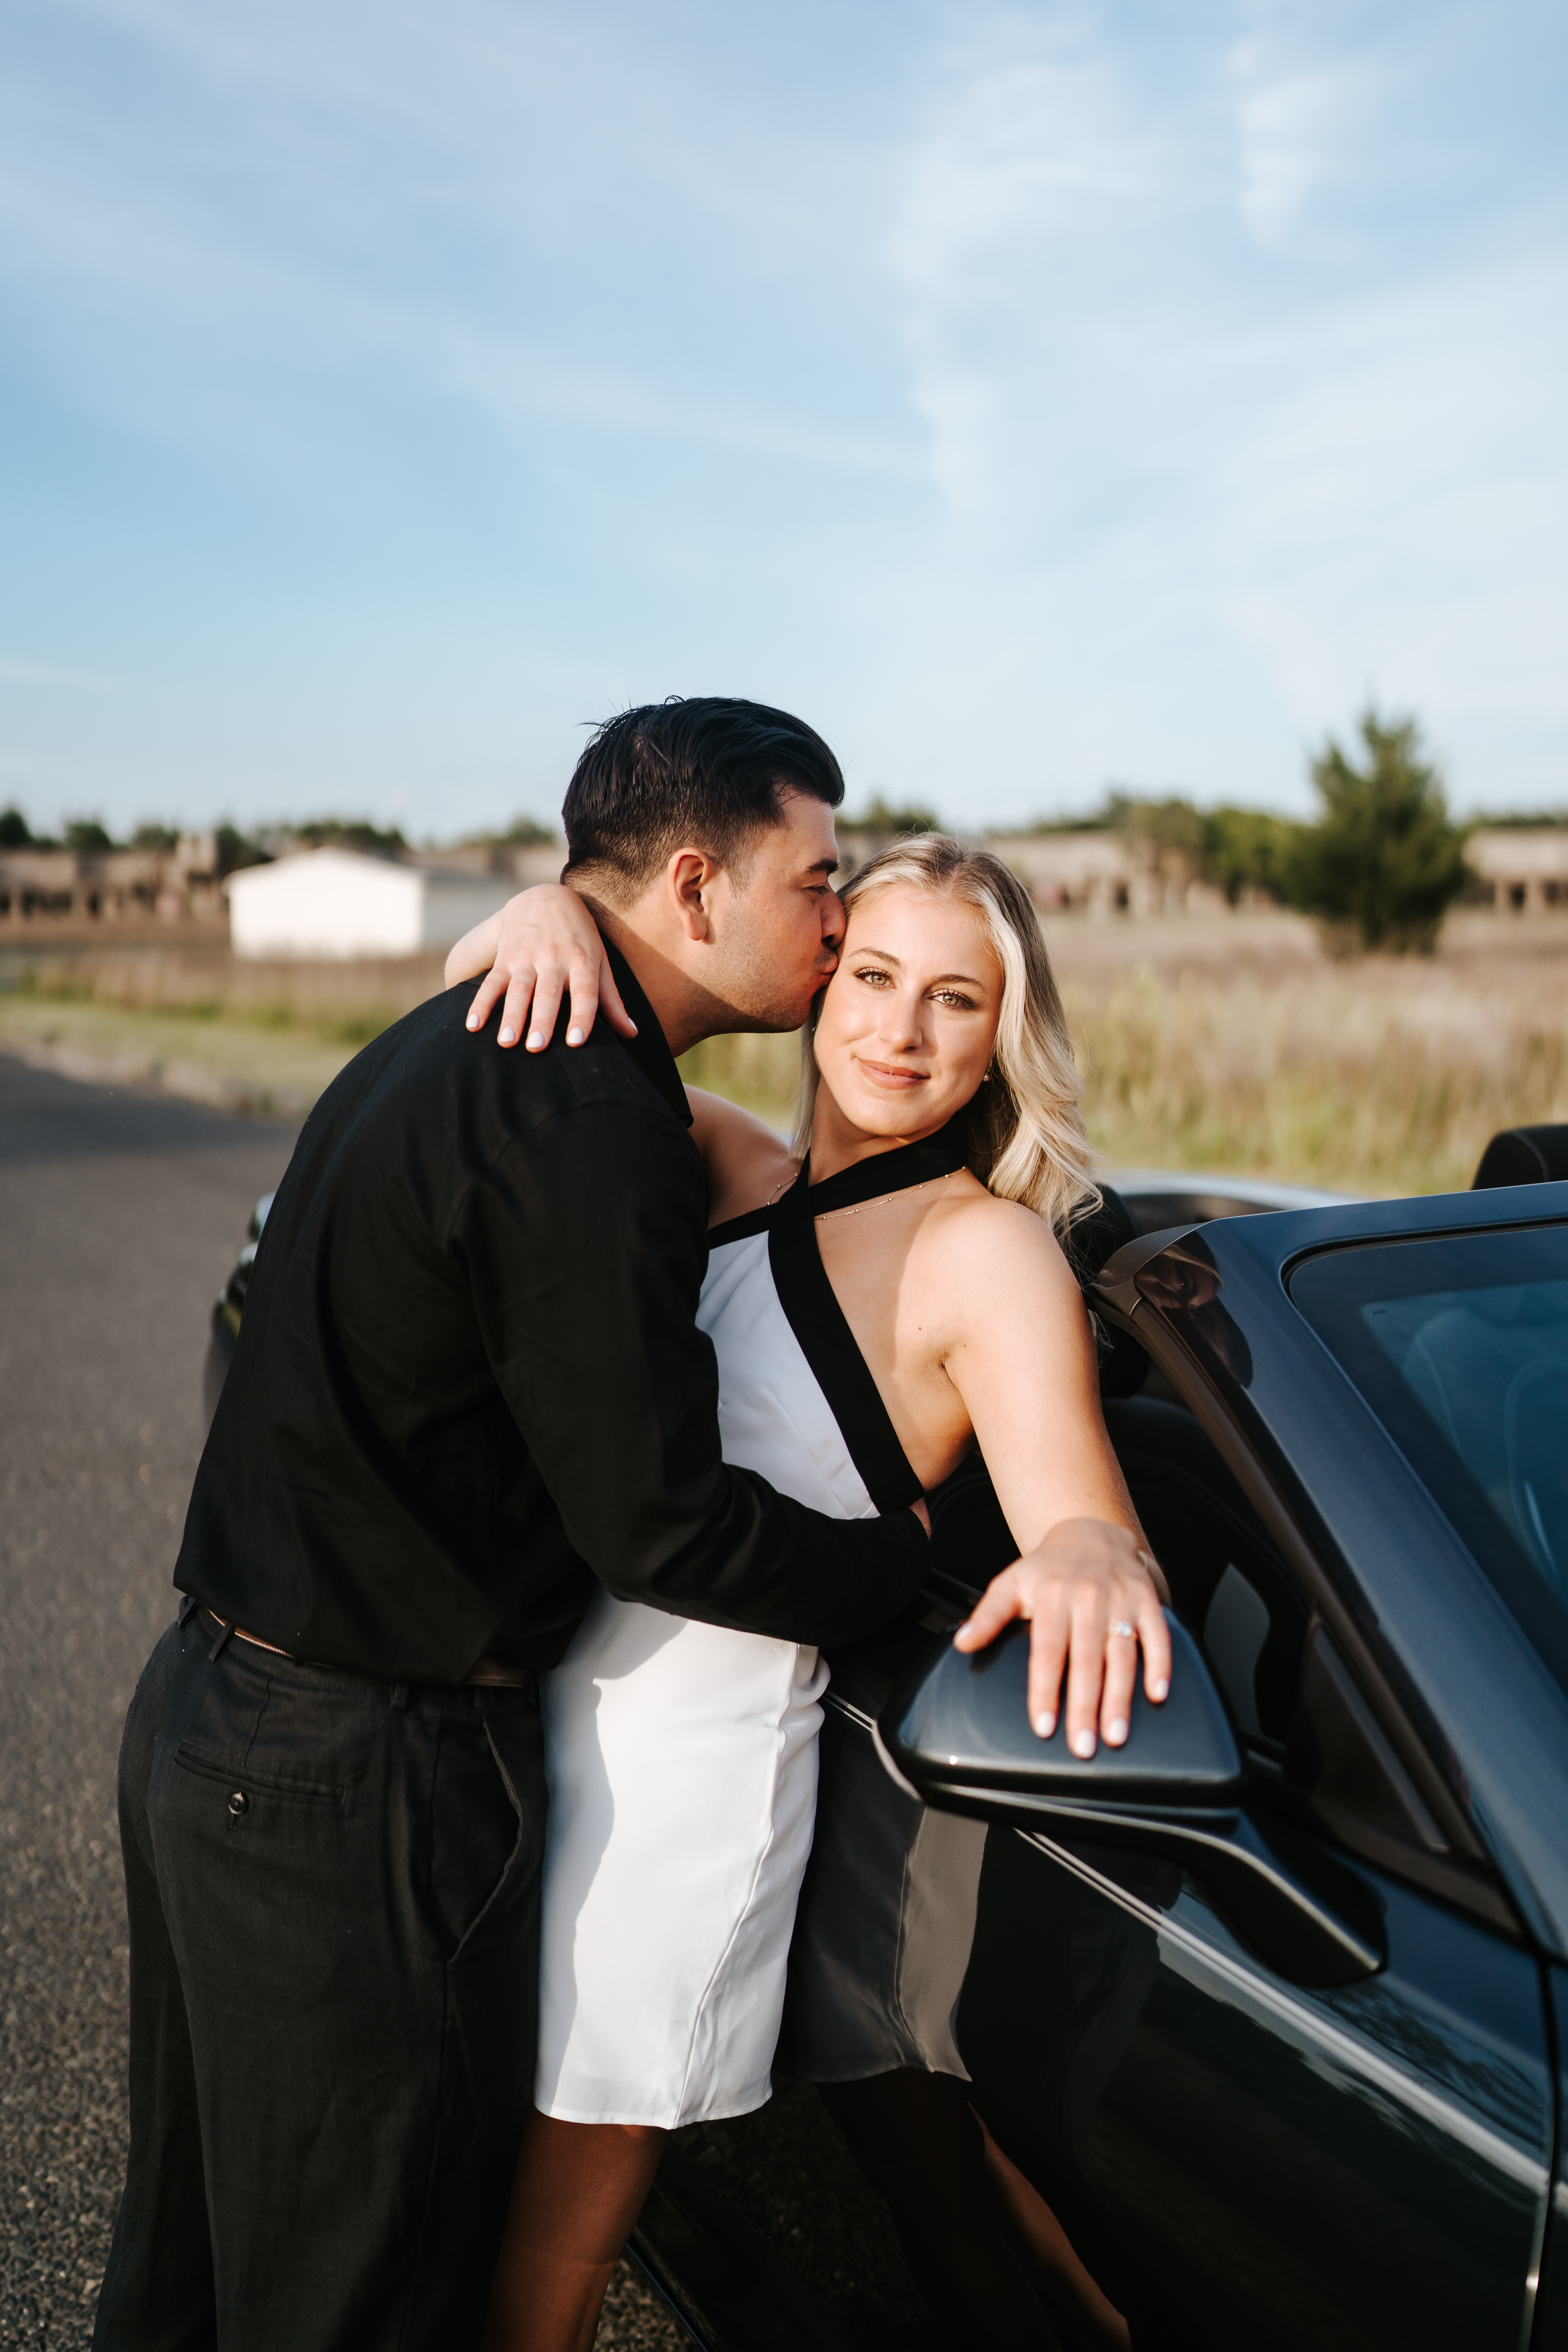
(1459, 1344)
(1227, 1581)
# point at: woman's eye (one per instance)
(954, 1001)
(873, 978)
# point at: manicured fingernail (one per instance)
(536, 1041)
(573, 1036)
(473, 1020)
(1083, 1743)
(1045, 1725)
(1160, 1690)
(634, 1027)
(508, 1037)
(1116, 1733)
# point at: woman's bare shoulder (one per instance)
(747, 1162)
(986, 1245)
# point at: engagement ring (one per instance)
(1123, 1630)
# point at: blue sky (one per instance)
(1033, 397)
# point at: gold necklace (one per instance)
(860, 1207)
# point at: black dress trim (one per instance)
(739, 1229)
(820, 1323)
(830, 1349)
(813, 1311)
(940, 1154)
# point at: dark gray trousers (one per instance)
(333, 1891)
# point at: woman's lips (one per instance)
(888, 1074)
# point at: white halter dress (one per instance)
(681, 1758)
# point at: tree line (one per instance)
(1379, 867)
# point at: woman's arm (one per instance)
(1018, 1349)
(542, 945)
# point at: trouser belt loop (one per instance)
(187, 1602)
(221, 1641)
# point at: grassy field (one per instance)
(260, 1037)
(1230, 1045)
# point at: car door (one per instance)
(1240, 2160)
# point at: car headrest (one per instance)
(1524, 1155)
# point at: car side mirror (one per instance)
(957, 1728)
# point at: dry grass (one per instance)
(1237, 1046)
(340, 1003)
(259, 1037)
(1231, 1044)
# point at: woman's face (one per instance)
(909, 1020)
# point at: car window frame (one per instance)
(1466, 1875)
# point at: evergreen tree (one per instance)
(1383, 863)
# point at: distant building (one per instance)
(1520, 869)
(335, 902)
(1092, 872)
(110, 886)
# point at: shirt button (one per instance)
(238, 1803)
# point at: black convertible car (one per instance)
(1270, 2005)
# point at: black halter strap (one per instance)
(819, 1321)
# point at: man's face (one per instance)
(777, 935)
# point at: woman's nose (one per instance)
(901, 1025)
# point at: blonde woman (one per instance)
(882, 1295)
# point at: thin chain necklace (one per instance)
(860, 1207)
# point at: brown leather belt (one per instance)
(492, 1674)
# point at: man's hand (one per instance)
(541, 946)
(1089, 1594)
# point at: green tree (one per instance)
(351, 833)
(1171, 823)
(235, 849)
(14, 832)
(885, 816)
(162, 837)
(87, 836)
(1249, 850)
(1384, 863)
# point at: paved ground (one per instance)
(120, 1218)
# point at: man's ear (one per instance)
(691, 876)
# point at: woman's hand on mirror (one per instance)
(543, 946)
(1090, 1593)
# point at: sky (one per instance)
(1035, 398)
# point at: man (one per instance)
(468, 1380)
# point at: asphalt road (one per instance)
(120, 1218)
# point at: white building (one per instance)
(334, 902)
(1523, 868)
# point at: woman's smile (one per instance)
(889, 1074)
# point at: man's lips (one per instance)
(889, 1074)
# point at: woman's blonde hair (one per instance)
(1025, 1129)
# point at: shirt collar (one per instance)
(649, 1049)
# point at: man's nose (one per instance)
(833, 921)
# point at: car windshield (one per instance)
(1460, 1346)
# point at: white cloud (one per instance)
(1300, 123)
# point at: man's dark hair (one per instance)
(706, 771)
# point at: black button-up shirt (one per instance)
(468, 1379)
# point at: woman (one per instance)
(880, 1298)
